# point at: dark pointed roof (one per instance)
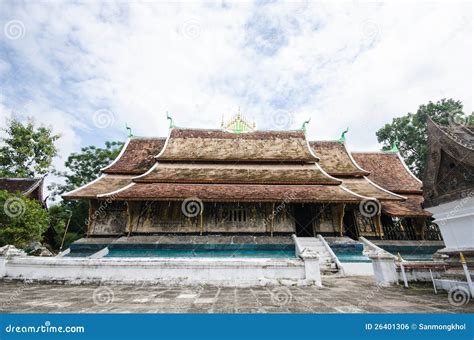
(22, 185)
(449, 171)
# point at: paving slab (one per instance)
(338, 295)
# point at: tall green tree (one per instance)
(26, 150)
(82, 167)
(22, 220)
(410, 130)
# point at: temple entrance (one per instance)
(350, 226)
(303, 221)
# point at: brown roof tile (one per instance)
(388, 171)
(218, 145)
(335, 159)
(409, 208)
(237, 173)
(236, 193)
(102, 185)
(364, 187)
(137, 157)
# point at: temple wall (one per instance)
(168, 217)
(112, 218)
(107, 218)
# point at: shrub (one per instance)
(22, 220)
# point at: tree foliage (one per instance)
(26, 150)
(410, 131)
(22, 220)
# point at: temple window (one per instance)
(235, 215)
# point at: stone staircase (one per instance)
(326, 262)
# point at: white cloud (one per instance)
(345, 64)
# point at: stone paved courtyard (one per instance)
(339, 295)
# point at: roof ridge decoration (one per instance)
(394, 147)
(342, 139)
(238, 124)
(171, 120)
(129, 129)
(306, 122)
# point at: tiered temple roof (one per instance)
(256, 166)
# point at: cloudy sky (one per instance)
(89, 68)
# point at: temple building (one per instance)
(449, 185)
(239, 180)
(28, 187)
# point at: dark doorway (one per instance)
(303, 221)
(350, 225)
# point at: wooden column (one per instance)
(341, 219)
(129, 219)
(201, 229)
(273, 219)
(89, 219)
(378, 225)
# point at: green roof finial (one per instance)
(394, 147)
(129, 129)
(303, 127)
(170, 119)
(343, 136)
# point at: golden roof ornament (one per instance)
(238, 124)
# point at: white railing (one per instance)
(331, 252)
(298, 248)
(101, 253)
(369, 246)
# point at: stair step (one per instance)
(326, 262)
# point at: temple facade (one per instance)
(449, 184)
(238, 180)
